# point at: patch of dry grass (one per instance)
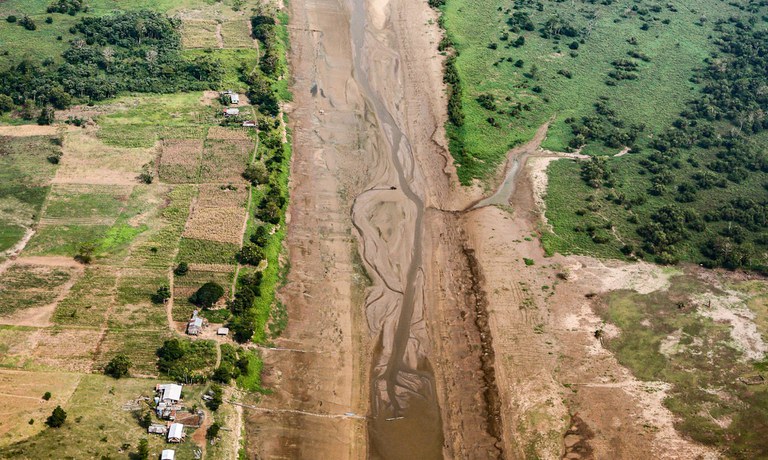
(199, 33)
(87, 160)
(236, 34)
(180, 160)
(225, 161)
(222, 133)
(22, 401)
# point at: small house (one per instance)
(231, 112)
(169, 392)
(249, 124)
(168, 454)
(195, 324)
(234, 98)
(222, 331)
(176, 433)
(157, 428)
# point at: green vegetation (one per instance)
(25, 175)
(57, 418)
(118, 366)
(208, 294)
(677, 86)
(187, 361)
(122, 51)
(664, 335)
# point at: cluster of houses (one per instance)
(234, 99)
(168, 406)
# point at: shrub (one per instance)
(256, 173)
(208, 294)
(213, 431)
(47, 395)
(251, 254)
(11, 18)
(85, 253)
(181, 269)
(57, 418)
(163, 293)
(528, 262)
(217, 397)
(118, 366)
(143, 451)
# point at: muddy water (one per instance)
(389, 218)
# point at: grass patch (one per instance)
(665, 337)
(87, 303)
(486, 66)
(206, 252)
(25, 175)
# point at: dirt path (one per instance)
(219, 37)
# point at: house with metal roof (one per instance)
(168, 454)
(176, 432)
(169, 392)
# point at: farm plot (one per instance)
(199, 33)
(218, 214)
(87, 160)
(25, 175)
(70, 350)
(139, 346)
(230, 134)
(236, 34)
(180, 160)
(87, 303)
(25, 287)
(133, 306)
(158, 247)
(225, 161)
(185, 286)
(194, 251)
(64, 240)
(75, 204)
(23, 401)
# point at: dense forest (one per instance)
(132, 51)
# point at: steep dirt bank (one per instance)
(561, 392)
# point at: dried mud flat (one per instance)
(450, 346)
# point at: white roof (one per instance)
(168, 454)
(197, 322)
(171, 391)
(233, 111)
(176, 431)
(235, 98)
(223, 331)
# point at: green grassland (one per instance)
(25, 175)
(665, 335)
(655, 99)
(97, 426)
